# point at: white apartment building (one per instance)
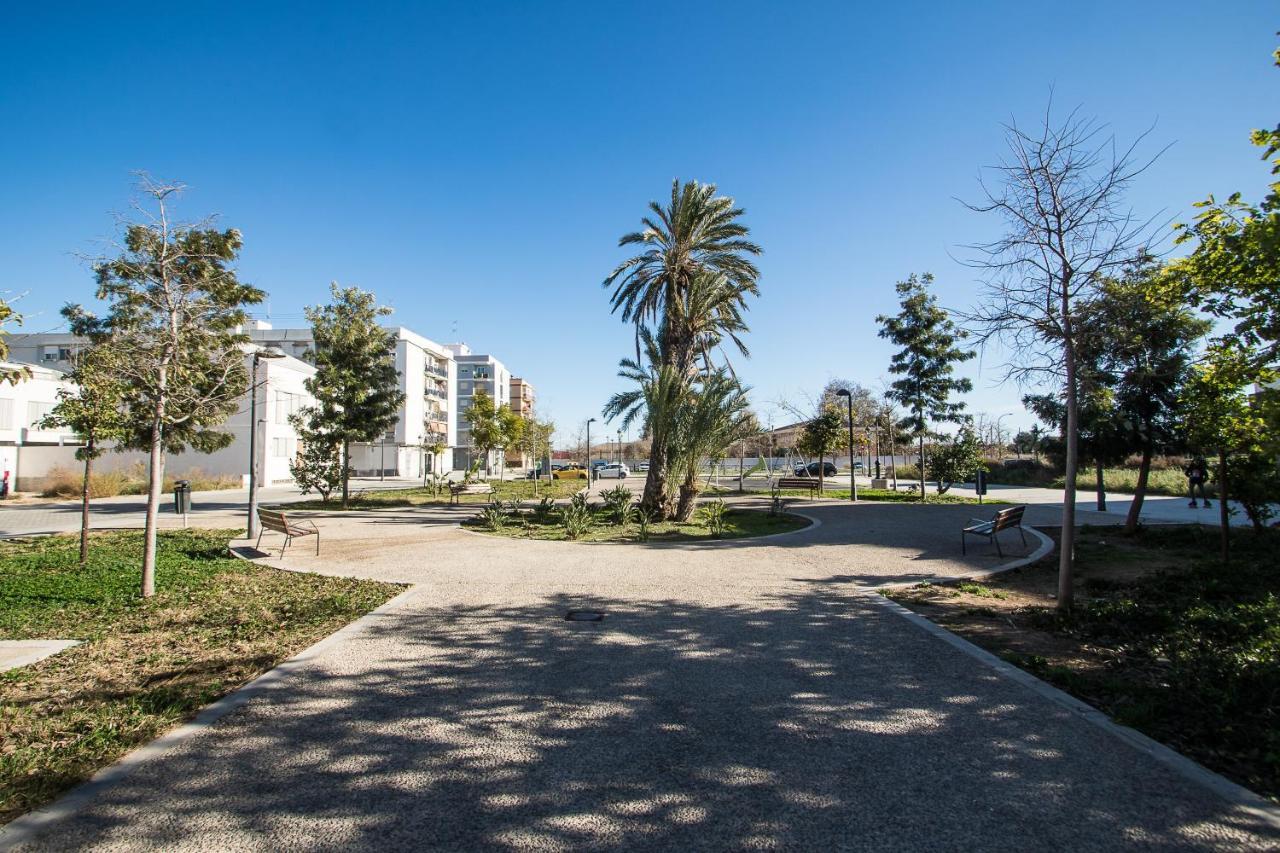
(427, 377)
(30, 453)
(476, 372)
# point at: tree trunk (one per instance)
(155, 482)
(1140, 491)
(84, 502)
(687, 501)
(346, 471)
(742, 453)
(922, 487)
(1224, 516)
(1066, 555)
(1102, 489)
(654, 500)
(822, 460)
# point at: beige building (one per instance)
(522, 399)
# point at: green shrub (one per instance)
(576, 518)
(493, 518)
(713, 513)
(617, 502)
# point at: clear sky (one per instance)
(475, 163)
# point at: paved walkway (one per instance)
(739, 695)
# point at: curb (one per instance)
(1237, 795)
(24, 828)
(1046, 546)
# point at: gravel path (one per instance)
(735, 696)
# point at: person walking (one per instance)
(1197, 473)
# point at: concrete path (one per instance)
(739, 695)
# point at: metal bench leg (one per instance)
(999, 550)
(287, 540)
(259, 542)
(317, 543)
(1023, 535)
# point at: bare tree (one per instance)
(1060, 195)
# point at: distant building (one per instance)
(31, 454)
(476, 373)
(522, 400)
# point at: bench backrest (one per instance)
(797, 483)
(273, 520)
(1011, 517)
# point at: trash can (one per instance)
(182, 497)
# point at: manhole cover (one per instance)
(584, 616)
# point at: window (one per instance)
(286, 404)
(6, 414)
(37, 411)
(279, 447)
(481, 371)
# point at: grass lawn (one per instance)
(1164, 639)
(738, 524)
(144, 666)
(508, 490)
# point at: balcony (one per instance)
(436, 372)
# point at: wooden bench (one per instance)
(1005, 519)
(457, 490)
(271, 519)
(809, 483)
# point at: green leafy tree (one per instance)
(12, 375)
(92, 408)
(1140, 338)
(486, 429)
(822, 435)
(356, 385)
(432, 445)
(176, 307)
(958, 459)
(1226, 420)
(690, 283)
(535, 442)
(925, 363)
(510, 430)
(1231, 272)
(1105, 434)
(317, 467)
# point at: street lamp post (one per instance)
(590, 473)
(853, 482)
(265, 352)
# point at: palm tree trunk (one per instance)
(688, 498)
(654, 501)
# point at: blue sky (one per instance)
(475, 164)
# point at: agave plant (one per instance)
(542, 512)
(576, 519)
(493, 518)
(713, 516)
(617, 501)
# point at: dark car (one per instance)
(811, 470)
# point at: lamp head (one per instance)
(843, 392)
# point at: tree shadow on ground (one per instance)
(810, 720)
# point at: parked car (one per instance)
(811, 470)
(613, 471)
(642, 466)
(572, 471)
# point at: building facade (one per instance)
(476, 373)
(427, 415)
(32, 454)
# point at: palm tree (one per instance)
(656, 398)
(697, 233)
(713, 417)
